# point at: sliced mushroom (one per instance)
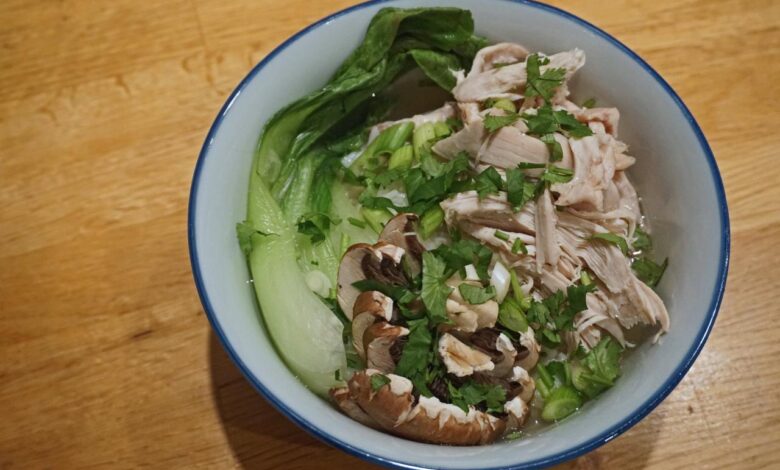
(381, 262)
(378, 339)
(349, 406)
(527, 350)
(370, 307)
(461, 359)
(468, 317)
(401, 231)
(517, 412)
(499, 347)
(430, 420)
(521, 379)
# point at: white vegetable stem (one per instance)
(500, 280)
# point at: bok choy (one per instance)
(295, 180)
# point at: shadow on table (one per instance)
(261, 437)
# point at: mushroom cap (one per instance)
(370, 307)
(401, 231)
(392, 406)
(517, 413)
(377, 340)
(528, 360)
(508, 354)
(349, 406)
(381, 261)
(461, 359)
(467, 317)
(521, 377)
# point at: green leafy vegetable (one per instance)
(648, 271)
(414, 357)
(518, 189)
(642, 241)
(542, 83)
(555, 174)
(511, 316)
(378, 381)
(316, 225)
(461, 253)
(476, 295)
(613, 239)
(401, 159)
(599, 368)
(562, 402)
(434, 289)
(472, 394)
(546, 121)
(489, 182)
(494, 123)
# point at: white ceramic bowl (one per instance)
(675, 174)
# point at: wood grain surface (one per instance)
(106, 357)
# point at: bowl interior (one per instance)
(674, 174)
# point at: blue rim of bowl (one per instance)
(576, 451)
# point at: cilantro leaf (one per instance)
(546, 121)
(476, 295)
(542, 84)
(316, 225)
(642, 240)
(604, 359)
(494, 123)
(616, 240)
(434, 289)
(472, 394)
(511, 316)
(555, 174)
(589, 103)
(518, 189)
(489, 182)
(570, 124)
(648, 271)
(414, 357)
(461, 253)
(519, 247)
(556, 151)
(378, 381)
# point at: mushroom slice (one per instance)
(401, 231)
(461, 359)
(370, 307)
(377, 340)
(467, 317)
(522, 378)
(499, 347)
(527, 350)
(349, 406)
(430, 420)
(517, 412)
(381, 262)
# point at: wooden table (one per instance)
(106, 357)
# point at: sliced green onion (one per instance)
(505, 104)
(545, 376)
(519, 247)
(562, 402)
(356, 222)
(402, 158)
(376, 218)
(442, 129)
(423, 134)
(585, 278)
(501, 235)
(516, 290)
(430, 221)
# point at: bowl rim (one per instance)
(602, 438)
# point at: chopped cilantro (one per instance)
(414, 357)
(642, 241)
(556, 151)
(494, 123)
(489, 182)
(518, 189)
(555, 174)
(589, 103)
(511, 316)
(472, 394)
(616, 240)
(378, 381)
(476, 295)
(542, 83)
(316, 225)
(648, 271)
(434, 289)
